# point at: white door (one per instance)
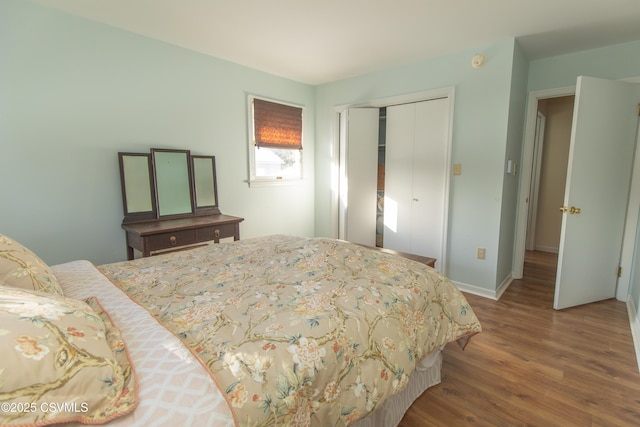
(429, 176)
(398, 177)
(358, 188)
(416, 178)
(597, 189)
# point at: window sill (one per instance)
(270, 182)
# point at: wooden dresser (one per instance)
(172, 234)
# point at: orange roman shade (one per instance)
(277, 125)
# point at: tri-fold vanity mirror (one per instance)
(166, 184)
(170, 200)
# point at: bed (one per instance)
(277, 330)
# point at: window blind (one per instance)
(277, 125)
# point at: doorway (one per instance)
(531, 161)
(549, 174)
(597, 185)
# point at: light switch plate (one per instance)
(457, 169)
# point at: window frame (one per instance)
(255, 180)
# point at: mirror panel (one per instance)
(204, 179)
(173, 182)
(136, 170)
(137, 185)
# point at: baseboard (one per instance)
(504, 286)
(483, 292)
(551, 249)
(634, 322)
(475, 290)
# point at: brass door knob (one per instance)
(563, 209)
(574, 210)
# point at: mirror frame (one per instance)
(155, 194)
(205, 209)
(188, 186)
(133, 216)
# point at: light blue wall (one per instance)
(482, 109)
(612, 62)
(73, 93)
(513, 152)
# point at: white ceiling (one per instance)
(318, 41)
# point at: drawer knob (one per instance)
(216, 233)
(173, 240)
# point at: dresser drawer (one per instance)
(171, 240)
(179, 233)
(217, 232)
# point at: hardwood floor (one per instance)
(535, 366)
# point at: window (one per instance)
(275, 141)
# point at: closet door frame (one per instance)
(338, 142)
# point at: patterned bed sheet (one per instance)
(172, 384)
(296, 331)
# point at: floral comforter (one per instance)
(300, 331)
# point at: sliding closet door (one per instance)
(415, 178)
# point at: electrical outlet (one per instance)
(481, 253)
